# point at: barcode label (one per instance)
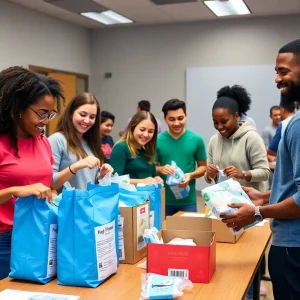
(178, 273)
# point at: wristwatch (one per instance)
(257, 215)
(244, 174)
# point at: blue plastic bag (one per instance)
(133, 198)
(173, 181)
(155, 204)
(88, 235)
(33, 251)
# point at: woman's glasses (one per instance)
(43, 117)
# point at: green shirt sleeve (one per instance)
(201, 151)
(154, 171)
(119, 157)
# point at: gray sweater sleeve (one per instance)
(257, 156)
(58, 145)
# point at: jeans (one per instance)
(284, 269)
(5, 249)
(173, 209)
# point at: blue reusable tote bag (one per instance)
(133, 198)
(34, 236)
(88, 236)
(155, 204)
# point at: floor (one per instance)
(266, 284)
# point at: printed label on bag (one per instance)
(183, 273)
(180, 193)
(106, 250)
(152, 214)
(121, 238)
(142, 224)
(51, 267)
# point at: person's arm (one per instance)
(119, 158)
(273, 145)
(201, 161)
(209, 161)
(58, 150)
(257, 156)
(39, 190)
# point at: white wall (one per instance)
(29, 37)
(149, 62)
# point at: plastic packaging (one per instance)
(180, 241)
(150, 236)
(218, 196)
(173, 181)
(163, 287)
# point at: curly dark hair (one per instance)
(239, 94)
(20, 88)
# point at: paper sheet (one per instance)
(22, 295)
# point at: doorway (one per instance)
(72, 83)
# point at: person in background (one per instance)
(134, 153)
(186, 149)
(146, 106)
(27, 103)
(107, 142)
(270, 130)
(237, 149)
(287, 110)
(76, 144)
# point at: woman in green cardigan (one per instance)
(134, 153)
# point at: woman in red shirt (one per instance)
(27, 104)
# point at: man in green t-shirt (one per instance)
(186, 149)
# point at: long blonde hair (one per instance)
(128, 136)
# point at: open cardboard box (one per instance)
(223, 234)
(197, 263)
(135, 220)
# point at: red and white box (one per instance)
(197, 263)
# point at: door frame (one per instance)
(46, 71)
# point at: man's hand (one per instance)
(187, 179)
(257, 197)
(166, 170)
(240, 218)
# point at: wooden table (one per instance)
(236, 267)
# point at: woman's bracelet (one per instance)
(71, 171)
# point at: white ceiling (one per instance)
(146, 12)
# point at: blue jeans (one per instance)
(173, 209)
(5, 249)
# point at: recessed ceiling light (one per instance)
(223, 8)
(107, 17)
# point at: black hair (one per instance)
(173, 104)
(19, 88)
(144, 105)
(292, 47)
(105, 115)
(288, 106)
(241, 99)
(274, 107)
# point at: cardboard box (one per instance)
(163, 204)
(135, 221)
(197, 263)
(223, 234)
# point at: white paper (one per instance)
(121, 238)
(193, 215)
(106, 250)
(52, 250)
(22, 295)
(142, 224)
(262, 223)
